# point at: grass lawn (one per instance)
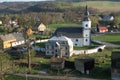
(38, 36)
(53, 27)
(42, 44)
(101, 5)
(102, 65)
(111, 38)
(83, 48)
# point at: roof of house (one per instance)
(102, 27)
(55, 59)
(61, 38)
(13, 36)
(7, 37)
(18, 36)
(71, 32)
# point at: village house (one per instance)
(39, 27)
(115, 71)
(106, 18)
(84, 64)
(80, 36)
(29, 31)
(101, 29)
(19, 39)
(59, 46)
(57, 63)
(11, 40)
(13, 23)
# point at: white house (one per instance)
(59, 46)
(80, 36)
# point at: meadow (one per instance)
(111, 38)
(53, 27)
(102, 6)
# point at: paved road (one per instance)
(55, 77)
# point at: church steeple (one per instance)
(86, 18)
(86, 11)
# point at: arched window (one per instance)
(86, 40)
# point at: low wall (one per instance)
(89, 51)
(38, 41)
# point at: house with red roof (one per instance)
(102, 29)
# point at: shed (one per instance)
(84, 64)
(115, 64)
(57, 63)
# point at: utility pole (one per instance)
(29, 58)
(27, 42)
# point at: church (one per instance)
(80, 36)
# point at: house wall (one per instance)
(41, 27)
(17, 43)
(8, 44)
(79, 66)
(62, 49)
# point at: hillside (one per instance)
(25, 7)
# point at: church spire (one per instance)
(86, 11)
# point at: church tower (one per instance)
(86, 24)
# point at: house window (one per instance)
(48, 52)
(52, 52)
(86, 25)
(47, 47)
(66, 53)
(86, 40)
(56, 50)
(66, 48)
(86, 35)
(76, 40)
(55, 45)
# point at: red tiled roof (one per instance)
(103, 28)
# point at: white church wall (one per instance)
(86, 41)
(89, 51)
(77, 41)
(86, 24)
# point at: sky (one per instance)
(21, 0)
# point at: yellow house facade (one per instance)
(6, 40)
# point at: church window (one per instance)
(76, 40)
(75, 44)
(86, 25)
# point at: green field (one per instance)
(101, 5)
(111, 38)
(55, 26)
